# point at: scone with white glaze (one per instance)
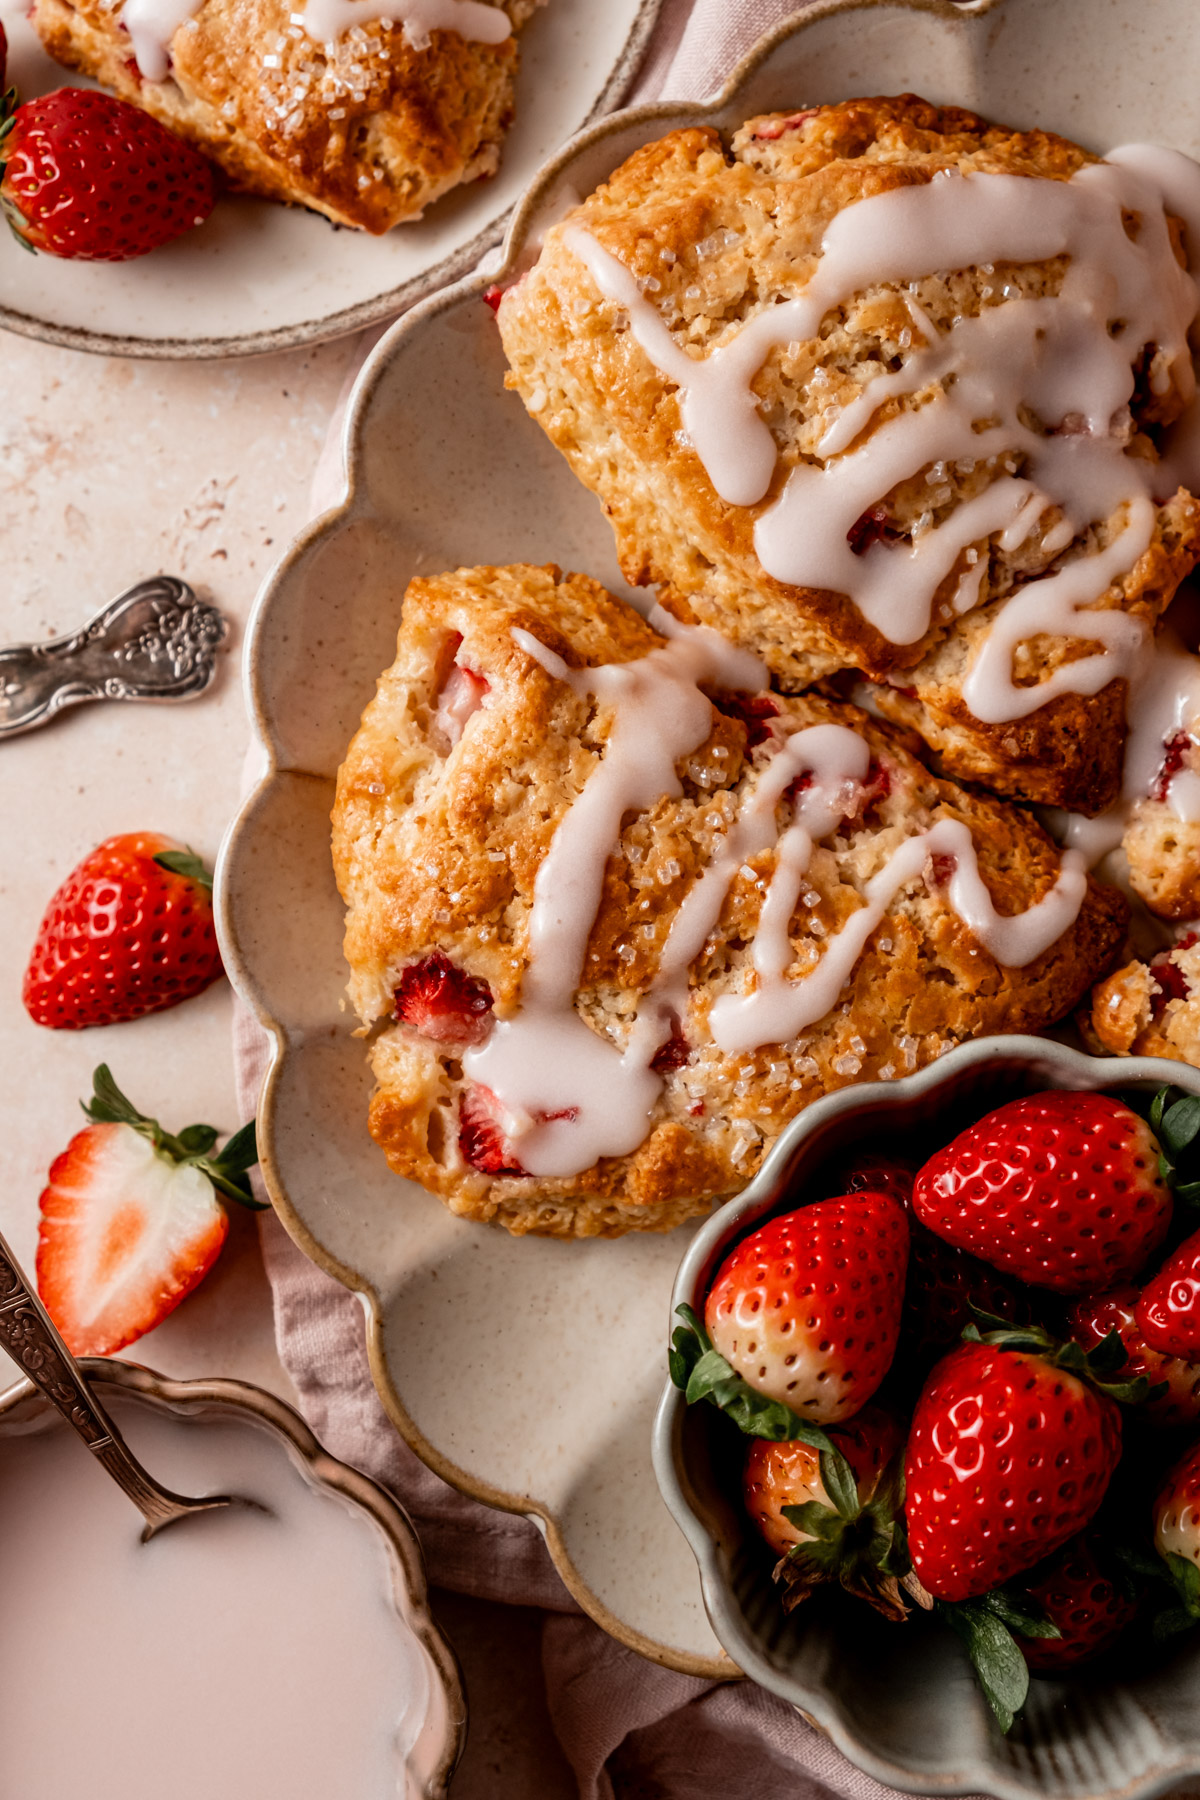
(367, 113)
(615, 914)
(881, 386)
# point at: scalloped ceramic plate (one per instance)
(902, 1704)
(265, 277)
(526, 1372)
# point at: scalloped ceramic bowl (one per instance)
(527, 1372)
(902, 1703)
(431, 1721)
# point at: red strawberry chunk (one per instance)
(671, 1055)
(1059, 1189)
(1007, 1458)
(492, 296)
(939, 871)
(1175, 752)
(461, 696)
(481, 1139)
(754, 710)
(125, 1235)
(443, 1002)
(807, 1308)
(775, 128)
(873, 527)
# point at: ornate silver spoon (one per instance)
(28, 1333)
(157, 641)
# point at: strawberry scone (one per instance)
(1151, 1008)
(616, 913)
(884, 387)
(365, 110)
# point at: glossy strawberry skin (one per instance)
(124, 1237)
(98, 180)
(807, 1308)
(121, 937)
(1169, 1309)
(1007, 1458)
(1091, 1320)
(789, 1474)
(1078, 1595)
(1177, 1510)
(443, 1002)
(1059, 1189)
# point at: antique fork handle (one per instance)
(28, 1333)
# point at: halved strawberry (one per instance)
(131, 1222)
(443, 1002)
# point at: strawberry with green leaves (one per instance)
(1062, 1190)
(806, 1309)
(1177, 1541)
(1175, 1381)
(1090, 1600)
(1014, 1441)
(132, 1220)
(130, 931)
(834, 1516)
(87, 176)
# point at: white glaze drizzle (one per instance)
(569, 1096)
(152, 24)
(1164, 700)
(1054, 356)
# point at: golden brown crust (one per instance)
(369, 131)
(437, 848)
(1150, 1009)
(714, 234)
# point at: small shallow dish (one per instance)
(545, 1405)
(261, 276)
(901, 1703)
(436, 1730)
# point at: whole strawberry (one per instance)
(1177, 1540)
(1008, 1456)
(1093, 1318)
(130, 931)
(131, 1221)
(1061, 1190)
(1169, 1309)
(1078, 1593)
(88, 176)
(833, 1524)
(807, 1308)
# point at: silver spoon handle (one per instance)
(156, 641)
(29, 1335)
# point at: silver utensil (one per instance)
(27, 1332)
(156, 641)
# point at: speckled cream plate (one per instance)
(526, 1372)
(264, 277)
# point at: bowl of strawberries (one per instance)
(932, 1427)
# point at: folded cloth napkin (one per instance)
(628, 1727)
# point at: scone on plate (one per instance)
(365, 118)
(881, 386)
(616, 913)
(1151, 1008)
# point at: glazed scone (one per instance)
(595, 876)
(368, 129)
(1151, 1008)
(853, 388)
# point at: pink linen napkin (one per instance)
(627, 1726)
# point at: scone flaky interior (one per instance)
(490, 739)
